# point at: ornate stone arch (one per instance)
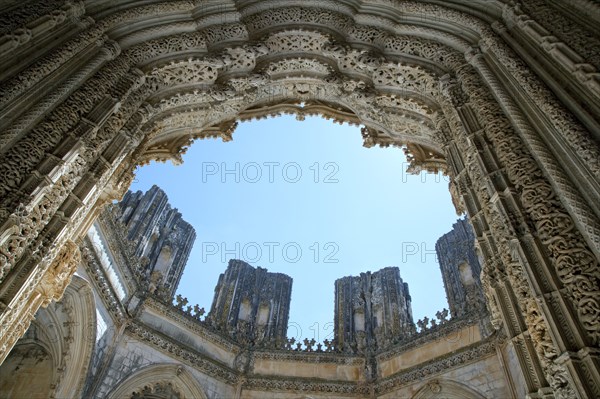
(62, 338)
(82, 309)
(451, 83)
(447, 390)
(165, 379)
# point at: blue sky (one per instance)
(306, 199)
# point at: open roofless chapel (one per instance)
(503, 96)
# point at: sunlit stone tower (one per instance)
(251, 304)
(160, 236)
(460, 268)
(372, 310)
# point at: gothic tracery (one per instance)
(502, 96)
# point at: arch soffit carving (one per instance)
(82, 310)
(169, 109)
(181, 379)
(455, 24)
(448, 390)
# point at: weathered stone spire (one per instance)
(251, 304)
(160, 235)
(372, 311)
(460, 268)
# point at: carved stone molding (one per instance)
(470, 354)
(109, 297)
(13, 36)
(59, 274)
(202, 329)
(173, 348)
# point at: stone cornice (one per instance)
(178, 316)
(438, 365)
(306, 385)
(307, 357)
(203, 329)
(219, 371)
(430, 335)
(175, 349)
(101, 283)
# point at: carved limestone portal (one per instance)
(501, 95)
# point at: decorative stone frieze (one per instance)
(172, 348)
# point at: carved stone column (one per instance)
(473, 181)
(76, 74)
(50, 63)
(509, 181)
(561, 270)
(570, 196)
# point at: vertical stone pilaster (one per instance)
(483, 188)
(541, 228)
